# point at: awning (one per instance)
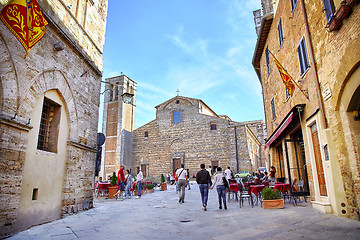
(279, 130)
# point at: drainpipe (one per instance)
(236, 151)
(317, 85)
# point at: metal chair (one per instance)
(233, 192)
(244, 194)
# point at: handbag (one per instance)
(226, 184)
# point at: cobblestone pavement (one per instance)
(158, 215)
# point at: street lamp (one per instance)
(127, 97)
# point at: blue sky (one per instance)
(203, 48)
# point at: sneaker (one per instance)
(225, 207)
(220, 207)
(116, 197)
(137, 197)
(204, 207)
(179, 200)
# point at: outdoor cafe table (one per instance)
(102, 187)
(233, 188)
(255, 189)
(247, 184)
(282, 187)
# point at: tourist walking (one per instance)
(228, 173)
(120, 181)
(203, 179)
(139, 178)
(128, 183)
(221, 189)
(188, 178)
(182, 177)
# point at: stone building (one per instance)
(118, 124)
(49, 106)
(187, 131)
(313, 135)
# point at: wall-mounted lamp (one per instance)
(59, 46)
(127, 97)
(356, 115)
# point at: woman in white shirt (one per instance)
(221, 189)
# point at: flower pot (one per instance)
(163, 186)
(112, 191)
(136, 192)
(277, 203)
(149, 190)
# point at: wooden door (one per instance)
(143, 170)
(318, 161)
(214, 165)
(176, 164)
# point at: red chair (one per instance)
(233, 191)
(103, 188)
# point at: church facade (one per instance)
(187, 131)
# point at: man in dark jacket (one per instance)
(203, 179)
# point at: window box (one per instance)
(334, 24)
(343, 11)
(351, 3)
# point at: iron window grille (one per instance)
(49, 124)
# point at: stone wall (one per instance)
(24, 82)
(335, 61)
(343, 48)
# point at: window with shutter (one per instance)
(303, 58)
(273, 108)
(267, 60)
(293, 4)
(281, 37)
(328, 9)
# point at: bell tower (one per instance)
(118, 124)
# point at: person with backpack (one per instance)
(203, 179)
(182, 177)
(221, 184)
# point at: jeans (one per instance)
(221, 193)
(181, 188)
(139, 187)
(204, 191)
(127, 190)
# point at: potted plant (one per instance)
(136, 190)
(272, 198)
(113, 189)
(149, 188)
(163, 183)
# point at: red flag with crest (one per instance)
(290, 86)
(25, 20)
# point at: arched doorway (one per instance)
(45, 161)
